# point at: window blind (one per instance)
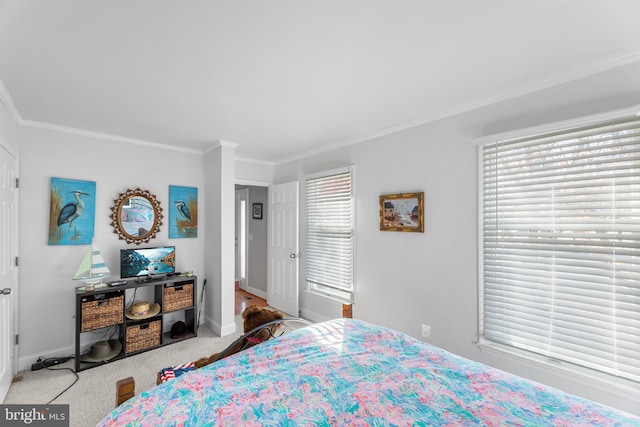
(330, 235)
(561, 246)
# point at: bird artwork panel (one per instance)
(72, 209)
(183, 212)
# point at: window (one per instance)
(330, 234)
(560, 245)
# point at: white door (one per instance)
(242, 201)
(8, 270)
(283, 253)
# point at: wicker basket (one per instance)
(102, 313)
(143, 336)
(178, 297)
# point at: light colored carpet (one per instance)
(94, 395)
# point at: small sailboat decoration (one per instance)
(92, 268)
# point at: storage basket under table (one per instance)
(100, 313)
(143, 336)
(178, 297)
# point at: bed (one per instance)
(347, 372)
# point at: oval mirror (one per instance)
(136, 216)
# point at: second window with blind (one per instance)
(329, 210)
(561, 246)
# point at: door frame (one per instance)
(12, 267)
(242, 243)
(249, 183)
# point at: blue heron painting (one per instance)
(72, 212)
(183, 212)
(183, 209)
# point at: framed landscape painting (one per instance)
(402, 212)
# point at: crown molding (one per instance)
(98, 135)
(559, 78)
(606, 64)
(252, 182)
(219, 144)
(7, 101)
(256, 161)
(577, 122)
(228, 144)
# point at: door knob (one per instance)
(294, 255)
(6, 291)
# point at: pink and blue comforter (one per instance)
(351, 373)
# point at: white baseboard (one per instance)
(257, 292)
(312, 316)
(219, 329)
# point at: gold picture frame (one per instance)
(402, 212)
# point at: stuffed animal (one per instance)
(253, 316)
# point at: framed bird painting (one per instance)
(183, 212)
(72, 209)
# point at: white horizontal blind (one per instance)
(330, 231)
(561, 246)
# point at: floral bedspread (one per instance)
(351, 373)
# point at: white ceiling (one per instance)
(283, 78)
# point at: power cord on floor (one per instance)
(48, 362)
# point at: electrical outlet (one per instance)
(426, 331)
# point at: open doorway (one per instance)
(251, 239)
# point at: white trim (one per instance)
(336, 171)
(261, 162)
(571, 372)
(557, 126)
(99, 135)
(327, 296)
(354, 197)
(480, 242)
(313, 316)
(219, 144)
(219, 329)
(251, 182)
(228, 144)
(7, 101)
(557, 79)
(257, 292)
(6, 147)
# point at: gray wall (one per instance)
(406, 279)
(46, 304)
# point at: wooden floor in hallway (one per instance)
(245, 299)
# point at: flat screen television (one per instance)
(140, 262)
